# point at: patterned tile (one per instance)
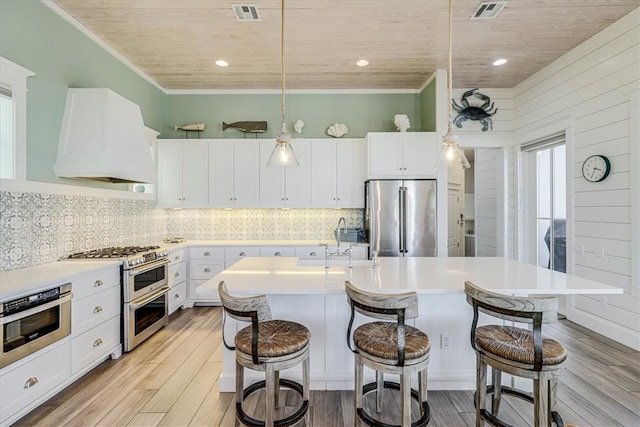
(39, 228)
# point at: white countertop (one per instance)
(236, 243)
(423, 275)
(26, 281)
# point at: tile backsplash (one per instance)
(38, 228)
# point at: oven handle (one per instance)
(159, 292)
(34, 310)
(147, 267)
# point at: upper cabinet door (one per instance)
(384, 155)
(195, 173)
(323, 172)
(271, 178)
(169, 173)
(246, 175)
(350, 165)
(221, 173)
(297, 179)
(419, 153)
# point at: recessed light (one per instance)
(221, 63)
(362, 63)
(500, 61)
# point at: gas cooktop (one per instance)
(113, 252)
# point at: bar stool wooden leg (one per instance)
(276, 391)
(239, 383)
(379, 391)
(358, 388)
(481, 389)
(422, 386)
(270, 396)
(497, 391)
(541, 402)
(405, 399)
(306, 380)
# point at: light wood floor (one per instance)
(171, 380)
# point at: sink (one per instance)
(340, 262)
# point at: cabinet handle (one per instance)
(282, 198)
(338, 198)
(242, 254)
(235, 198)
(31, 382)
(312, 254)
(405, 168)
(97, 309)
(286, 198)
(207, 270)
(176, 296)
(207, 254)
(97, 342)
(230, 198)
(176, 274)
(277, 254)
(400, 168)
(334, 198)
(177, 257)
(98, 283)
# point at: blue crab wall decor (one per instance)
(467, 111)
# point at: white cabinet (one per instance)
(402, 154)
(317, 252)
(275, 251)
(234, 173)
(337, 173)
(95, 318)
(177, 279)
(233, 254)
(204, 263)
(285, 185)
(183, 173)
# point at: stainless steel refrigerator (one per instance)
(401, 217)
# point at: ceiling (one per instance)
(176, 42)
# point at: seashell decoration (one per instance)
(338, 130)
(298, 126)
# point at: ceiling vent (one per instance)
(246, 12)
(488, 9)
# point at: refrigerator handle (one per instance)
(404, 220)
(401, 218)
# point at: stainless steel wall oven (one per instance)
(34, 321)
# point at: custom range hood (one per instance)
(103, 138)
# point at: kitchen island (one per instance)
(307, 292)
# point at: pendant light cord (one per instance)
(450, 55)
(282, 56)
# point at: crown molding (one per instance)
(289, 91)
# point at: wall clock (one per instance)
(596, 168)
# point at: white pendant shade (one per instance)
(451, 151)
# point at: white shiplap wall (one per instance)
(486, 201)
(593, 85)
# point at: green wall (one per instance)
(35, 37)
(361, 113)
(428, 107)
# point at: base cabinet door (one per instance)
(94, 344)
(177, 296)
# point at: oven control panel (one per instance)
(146, 258)
(30, 301)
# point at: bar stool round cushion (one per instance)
(380, 339)
(516, 344)
(276, 338)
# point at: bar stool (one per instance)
(515, 351)
(267, 345)
(388, 347)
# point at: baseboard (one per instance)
(605, 327)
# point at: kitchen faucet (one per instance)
(343, 222)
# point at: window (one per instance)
(13, 120)
(547, 202)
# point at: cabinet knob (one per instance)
(405, 168)
(399, 168)
(277, 254)
(31, 382)
(282, 198)
(243, 254)
(312, 254)
(235, 198)
(97, 309)
(286, 198)
(97, 342)
(230, 198)
(176, 274)
(177, 257)
(207, 270)
(207, 254)
(338, 198)
(334, 198)
(176, 296)
(98, 283)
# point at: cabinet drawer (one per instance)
(237, 252)
(211, 296)
(93, 310)
(94, 282)
(206, 252)
(177, 273)
(206, 269)
(176, 257)
(278, 251)
(94, 344)
(44, 372)
(310, 252)
(177, 296)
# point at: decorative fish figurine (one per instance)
(191, 127)
(252, 127)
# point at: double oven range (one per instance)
(145, 288)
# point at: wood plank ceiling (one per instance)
(176, 42)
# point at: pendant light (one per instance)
(282, 154)
(451, 151)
